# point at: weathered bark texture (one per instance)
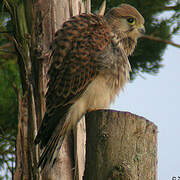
(121, 146)
(35, 23)
(80, 148)
(21, 141)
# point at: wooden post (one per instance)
(120, 145)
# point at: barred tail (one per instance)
(51, 150)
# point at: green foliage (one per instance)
(8, 113)
(9, 76)
(8, 98)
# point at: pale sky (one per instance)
(157, 98)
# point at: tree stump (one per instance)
(120, 146)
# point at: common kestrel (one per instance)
(89, 67)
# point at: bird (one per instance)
(89, 67)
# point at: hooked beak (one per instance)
(141, 29)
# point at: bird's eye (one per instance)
(131, 21)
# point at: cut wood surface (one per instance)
(120, 145)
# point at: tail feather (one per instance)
(51, 150)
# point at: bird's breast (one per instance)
(101, 92)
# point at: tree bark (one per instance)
(120, 145)
(35, 23)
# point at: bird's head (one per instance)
(126, 20)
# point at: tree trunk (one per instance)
(120, 145)
(35, 23)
